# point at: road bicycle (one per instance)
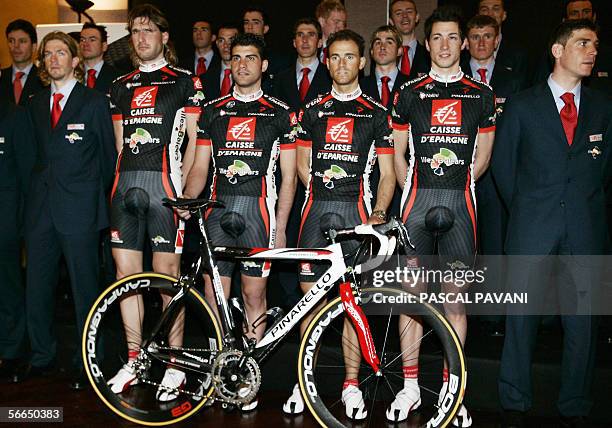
(223, 365)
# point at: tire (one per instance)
(104, 350)
(321, 362)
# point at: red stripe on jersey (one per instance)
(165, 180)
(265, 215)
(116, 182)
(305, 214)
(469, 83)
(487, 129)
(225, 101)
(118, 117)
(424, 82)
(364, 102)
(325, 99)
(170, 72)
(290, 146)
(385, 150)
(413, 191)
(203, 142)
(304, 143)
(362, 212)
(129, 76)
(193, 109)
(264, 102)
(213, 196)
(400, 127)
(469, 202)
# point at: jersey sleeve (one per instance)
(304, 128)
(401, 110)
(488, 117)
(288, 122)
(383, 133)
(203, 138)
(194, 95)
(115, 95)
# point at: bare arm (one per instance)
(286, 194)
(118, 128)
(189, 157)
(386, 186)
(484, 148)
(196, 180)
(303, 164)
(400, 141)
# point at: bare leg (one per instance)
(169, 263)
(254, 297)
(129, 262)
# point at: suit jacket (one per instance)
(16, 147)
(211, 81)
(74, 162)
(369, 86)
(107, 75)
(286, 89)
(511, 57)
(554, 191)
(188, 61)
(421, 63)
(31, 87)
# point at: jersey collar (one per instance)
(346, 97)
(247, 98)
(446, 79)
(147, 68)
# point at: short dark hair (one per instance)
(258, 9)
(308, 21)
(347, 35)
(229, 26)
(564, 31)
(248, 39)
(395, 1)
(101, 29)
(387, 28)
(502, 3)
(23, 25)
(445, 14)
(481, 21)
(566, 3)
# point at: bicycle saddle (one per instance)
(330, 221)
(233, 224)
(192, 204)
(439, 219)
(136, 200)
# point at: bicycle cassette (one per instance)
(236, 378)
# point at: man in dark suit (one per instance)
(20, 81)
(331, 15)
(66, 206)
(551, 163)
(415, 60)
(202, 57)
(16, 158)
(308, 78)
(217, 81)
(93, 43)
(508, 55)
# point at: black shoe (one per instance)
(513, 419)
(79, 381)
(28, 371)
(8, 367)
(573, 421)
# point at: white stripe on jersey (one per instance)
(367, 190)
(472, 180)
(271, 190)
(409, 173)
(308, 185)
(179, 129)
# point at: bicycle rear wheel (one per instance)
(321, 362)
(105, 350)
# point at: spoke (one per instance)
(387, 332)
(373, 401)
(411, 348)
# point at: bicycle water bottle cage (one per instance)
(136, 200)
(233, 224)
(330, 221)
(439, 219)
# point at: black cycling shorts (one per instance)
(247, 222)
(320, 216)
(138, 213)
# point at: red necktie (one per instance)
(56, 111)
(569, 116)
(304, 83)
(324, 57)
(91, 78)
(201, 69)
(17, 86)
(405, 68)
(385, 94)
(226, 84)
(483, 74)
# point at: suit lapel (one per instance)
(583, 114)
(315, 84)
(549, 116)
(72, 106)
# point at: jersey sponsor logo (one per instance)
(144, 97)
(306, 269)
(241, 129)
(197, 83)
(196, 98)
(293, 120)
(369, 116)
(328, 104)
(339, 130)
(159, 240)
(473, 96)
(139, 137)
(423, 95)
(116, 236)
(73, 137)
(444, 158)
(333, 173)
(238, 168)
(180, 236)
(326, 113)
(445, 112)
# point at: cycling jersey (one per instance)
(444, 118)
(246, 134)
(345, 133)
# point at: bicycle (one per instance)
(222, 365)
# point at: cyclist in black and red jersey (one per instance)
(444, 127)
(248, 134)
(341, 137)
(155, 109)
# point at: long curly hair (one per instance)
(154, 15)
(73, 48)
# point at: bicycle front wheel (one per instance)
(105, 348)
(325, 353)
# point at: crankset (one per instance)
(237, 378)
